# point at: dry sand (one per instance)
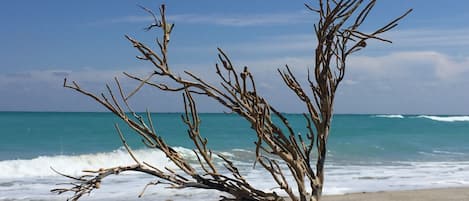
(446, 194)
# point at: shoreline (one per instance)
(437, 194)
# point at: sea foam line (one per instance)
(340, 179)
(73, 165)
(390, 116)
(445, 118)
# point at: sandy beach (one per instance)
(444, 194)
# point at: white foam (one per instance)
(390, 116)
(397, 176)
(448, 153)
(24, 179)
(73, 165)
(242, 150)
(445, 118)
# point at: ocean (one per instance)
(365, 153)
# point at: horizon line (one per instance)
(224, 112)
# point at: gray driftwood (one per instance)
(338, 36)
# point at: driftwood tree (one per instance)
(338, 36)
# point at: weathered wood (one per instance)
(338, 35)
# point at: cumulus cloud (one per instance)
(398, 65)
(422, 75)
(395, 82)
(405, 82)
(411, 65)
(418, 67)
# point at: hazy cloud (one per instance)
(395, 82)
(244, 20)
(56, 77)
(431, 37)
(451, 42)
(411, 65)
(223, 19)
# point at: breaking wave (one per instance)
(73, 165)
(445, 118)
(32, 177)
(390, 116)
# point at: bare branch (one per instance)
(338, 32)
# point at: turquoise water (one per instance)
(353, 138)
(366, 152)
(27, 135)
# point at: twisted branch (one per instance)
(338, 35)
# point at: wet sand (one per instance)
(444, 194)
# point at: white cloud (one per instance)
(420, 67)
(272, 64)
(411, 65)
(224, 19)
(452, 43)
(55, 77)
(447, 68)
(431, 37)
(350, 82)
(42, 90)
(449, 41)
(243, 20)
(412, 82)
(407, 82)
(277, 44)
(130, 19)
(397, 65)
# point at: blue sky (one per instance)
(424, 71)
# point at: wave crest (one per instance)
(445, 118)
(390, 116)
(73, 165)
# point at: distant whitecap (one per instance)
(445, 118)
(390, 116)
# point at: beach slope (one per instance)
(445, 194)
